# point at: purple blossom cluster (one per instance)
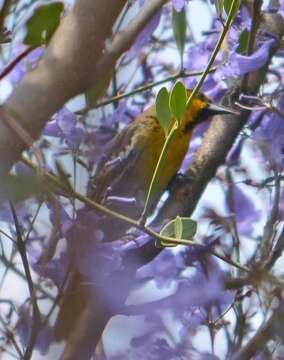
(65, 127)
(190, 290)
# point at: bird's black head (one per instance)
(201, 109)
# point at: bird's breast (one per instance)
(175, 154)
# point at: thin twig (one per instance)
(215, 52)
(260, 339)
(37, 287)
(11, 338)
(9, 263)
(277, 251)
(32, 222)
(14, 62)
(102, 209)
(269, 228)
(36, 313)
(180, 74)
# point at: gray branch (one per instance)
(67, 69)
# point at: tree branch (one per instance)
(258, 342)
(124, 40)
(65, 71)
(96, 314)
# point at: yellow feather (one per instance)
(145, 137)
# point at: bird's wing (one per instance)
(117, 161)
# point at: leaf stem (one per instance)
(214, 54)
(180, 74)
(157, 173)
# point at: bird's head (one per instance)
(201, 109)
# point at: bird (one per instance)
(125, 172)
(126, 169)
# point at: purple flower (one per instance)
(234, 154)
(98, 140)
(241, 64)
(241, 23)
(65, 126)
(55, 269)
(179, 4)
(197, 59)
(281, 206)
(144, 36)
(194, 145)
(270, 135)
(23, 211)
(243, 19)
(241, 207)
(199, 54)
(208, 282)
(201, 289)
(24, 65)
(158, 346)
(244, 210)
(281, 8)
(83, 235)
(24, 328)
(165, 267)
(159, 349)
(122, 115)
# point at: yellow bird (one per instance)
(128, 165)
(125, 172)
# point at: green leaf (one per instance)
(163, 109)
(179, 28)
(229, 3)
(43, 23)
(169, 231)
(219, 4)
(179, 228)
(20, 187)
(189, 228)
(235, 8)
(243, 42)
(178, 100)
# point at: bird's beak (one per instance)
(214, 109)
